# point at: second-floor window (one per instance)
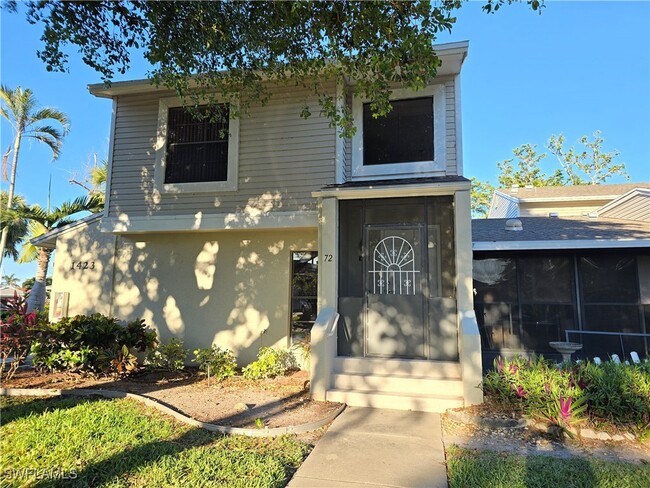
(196, 153)
(410, 141)
(197, 146)
(404, 135)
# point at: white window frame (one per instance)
(197, 187)
(406, 169)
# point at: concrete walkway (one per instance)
(367, 447)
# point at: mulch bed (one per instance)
(237, 402)
(493, 429)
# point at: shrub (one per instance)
(16, 330)
(170, 356)
(568, 393)
(618, 393)
(270, 363)
(216, 362)
(93, 344)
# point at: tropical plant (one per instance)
(170, 356)
(569, 393)
(10, 280)
(270, 363)
(42, 221)
(216, 362)
(20, 109)
(15, 334)
(15, 224)
(90, 344)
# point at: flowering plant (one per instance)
(16, 334)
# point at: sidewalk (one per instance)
(368, 447)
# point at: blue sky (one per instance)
(576, 68)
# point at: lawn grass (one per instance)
(477, 469)
(115, 443)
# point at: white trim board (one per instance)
(209, 222)
(559, 244)
(393, 191)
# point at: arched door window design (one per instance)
(393, 267)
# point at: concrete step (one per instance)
(411, 367)
(397, 384)
(395, 401)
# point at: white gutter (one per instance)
(559, 244)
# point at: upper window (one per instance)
(404, 135)
(195, 153)
(409, 141)
(197, 149)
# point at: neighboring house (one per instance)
(613, 201)
(248, 239)
(581, 278)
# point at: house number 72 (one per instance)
(328, 258)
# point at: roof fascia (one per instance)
(560, 244)
(448, 50)
(623, 198)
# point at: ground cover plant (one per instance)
(170, 356)
(570, 393)
(487, 469)
(98, 442)
(270, 363)
(216, 362)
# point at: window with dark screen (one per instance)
(405, 135)
(197, 146)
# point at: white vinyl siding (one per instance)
(282, 159)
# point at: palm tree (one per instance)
(42, 221)
(12, 220)
(11, 280)
(20, 109)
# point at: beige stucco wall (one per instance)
(89, 288)
(229, 288)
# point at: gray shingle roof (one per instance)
(559, 229)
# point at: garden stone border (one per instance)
(224, 429)
(487, 423)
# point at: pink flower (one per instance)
(499, 364)
(521, 393)
(565, 408)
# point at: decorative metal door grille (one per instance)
(393, 270)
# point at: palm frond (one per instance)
(53, 144)
(54, 114)
(81, 204)
(29, 252)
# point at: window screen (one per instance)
(197, 148)
(405, 135)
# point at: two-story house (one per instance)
(247, 231)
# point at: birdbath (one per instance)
(566, 349)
